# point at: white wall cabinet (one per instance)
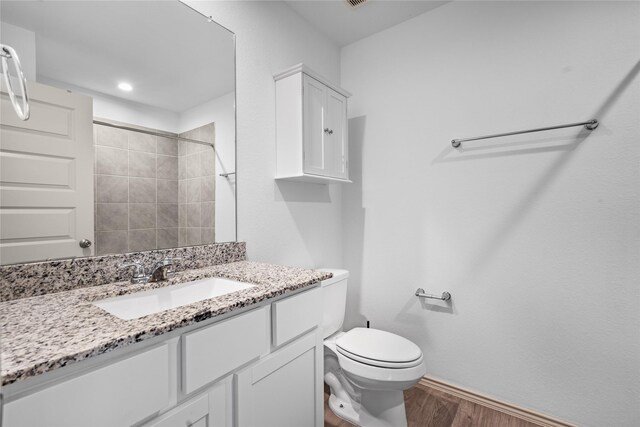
(311, 127)
(230, 372)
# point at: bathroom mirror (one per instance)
(131, 141)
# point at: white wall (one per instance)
(288, 223)
(122, 110)
(537, 237)
(24, 43)
(222, 111)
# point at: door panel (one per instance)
(284, 389)
(314, 101)
(335, 145)
(46, 176)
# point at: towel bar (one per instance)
(446, 296)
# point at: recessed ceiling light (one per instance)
(125, 87)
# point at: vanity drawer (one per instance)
(214, 351)
(120, 394)
(296, 315)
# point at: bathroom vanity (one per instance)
(252, 357)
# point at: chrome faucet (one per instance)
(160, 271)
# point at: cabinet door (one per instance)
(335, 143)
(314, 95)
(283, 389)
(194, 413)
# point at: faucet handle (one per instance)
(139, 269)
(168, 260)
(162, 268)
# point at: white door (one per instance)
(46, 176)
(335, 151)
(314, 125)
(283, 389)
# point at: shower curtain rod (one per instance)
(589, 125)
(148, 132)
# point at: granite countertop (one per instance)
(42, 333)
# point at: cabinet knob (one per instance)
(329, 131)
(85, 243)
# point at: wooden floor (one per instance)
(427, 407)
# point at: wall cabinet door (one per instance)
(315, 94)
(335, 143)
(325, 113)
(283, 389)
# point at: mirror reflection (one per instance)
(131, 141)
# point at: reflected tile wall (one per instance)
(196, 187)
(136, 181)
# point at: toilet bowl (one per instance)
(366, 369)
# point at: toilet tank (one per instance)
(334, 301)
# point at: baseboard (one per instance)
(490, 402)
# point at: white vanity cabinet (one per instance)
(311, 127)
(262, 367)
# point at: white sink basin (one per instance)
(140, 304)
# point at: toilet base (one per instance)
(382, 409)
(343, 409)
(376, 408)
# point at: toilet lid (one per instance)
(379, 348)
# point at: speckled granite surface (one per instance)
(42, 333)
(41, 278)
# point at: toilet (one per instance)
(366, 369)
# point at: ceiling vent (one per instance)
(355, 3)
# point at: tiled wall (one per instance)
(196, 188)
(136, 191)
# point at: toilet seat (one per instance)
(379, 378)
(379, 348)
(380, 363)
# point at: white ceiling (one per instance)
(344, 24)
(172, 56)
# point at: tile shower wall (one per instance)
(136, 178)
(196, 187)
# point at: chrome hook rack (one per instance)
(446, 296)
